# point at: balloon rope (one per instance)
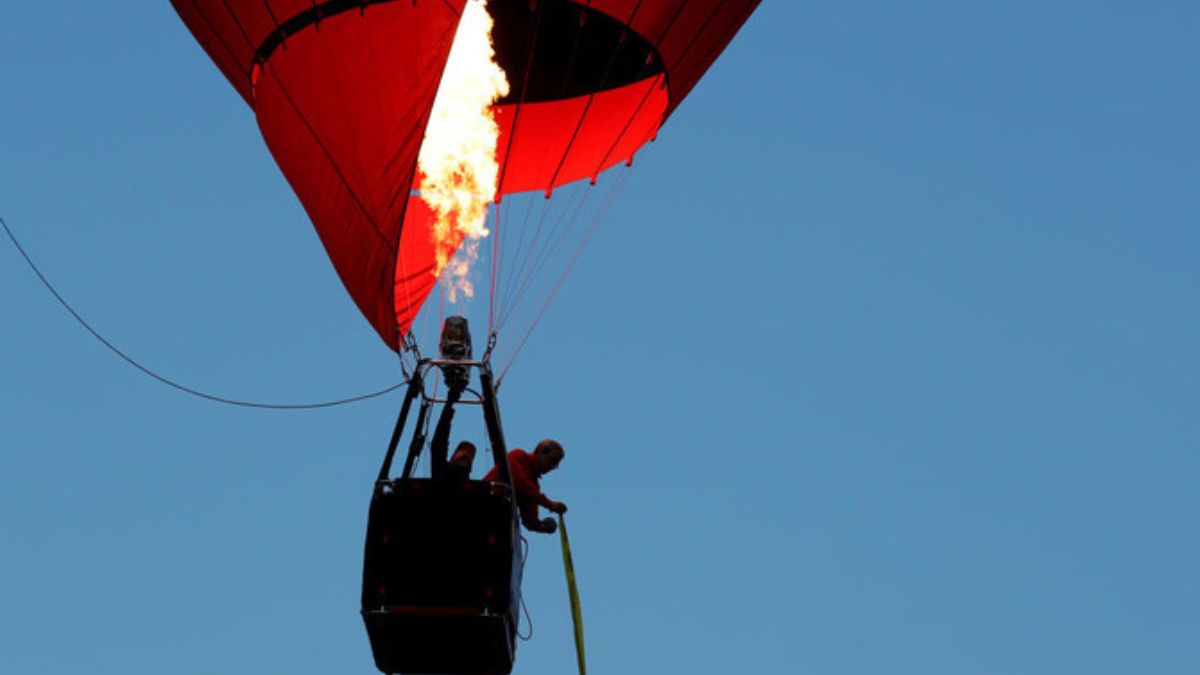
(557, 240)
(504, 282)
(530, 264)
(518, 284)
(495, 257)
(167, 381)
(523, 254)
(610, 198)
(573, 595)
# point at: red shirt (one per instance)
(525, 480)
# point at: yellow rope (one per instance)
(573, 592)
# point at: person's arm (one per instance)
(527, 488)
(529, 517)
(439, 446)
(529, 497)
(555, 507)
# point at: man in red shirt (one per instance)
(526, 469)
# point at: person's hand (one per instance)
(549, 526)
(557, 507)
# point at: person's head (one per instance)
(547, 455)
(464, 455)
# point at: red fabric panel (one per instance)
(414, 277)
(343, 109)
(343, 106)
(611, 125)
(214, 24)
(541, 139)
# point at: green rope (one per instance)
(573, 592)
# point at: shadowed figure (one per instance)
(527, 468)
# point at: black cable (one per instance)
(523, 548)
(187, 390)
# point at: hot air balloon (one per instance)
(343, 92)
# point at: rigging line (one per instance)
(496, 231)
(558, 236)
(604, 79)
(505, 280)
(531, 254)
(557, 240)
(549, 262)
(614, 191)
(498, 246)
(492, 285)
(521, 279)
(167, 381)
(508, 252)
(519, 250)
(524, 253)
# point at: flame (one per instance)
(458, 157)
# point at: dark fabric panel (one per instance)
(691, 66)
(217, 32)
(689, 34)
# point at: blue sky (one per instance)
(885, 361)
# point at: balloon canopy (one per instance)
(343, 90)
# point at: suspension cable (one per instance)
(532, 261)
(614, 191)
(165, 380)
(556, 241)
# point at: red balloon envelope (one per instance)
(343, 90)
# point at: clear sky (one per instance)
(885, 362)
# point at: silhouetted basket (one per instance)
(442, 577)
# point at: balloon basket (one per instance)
(441, 577)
